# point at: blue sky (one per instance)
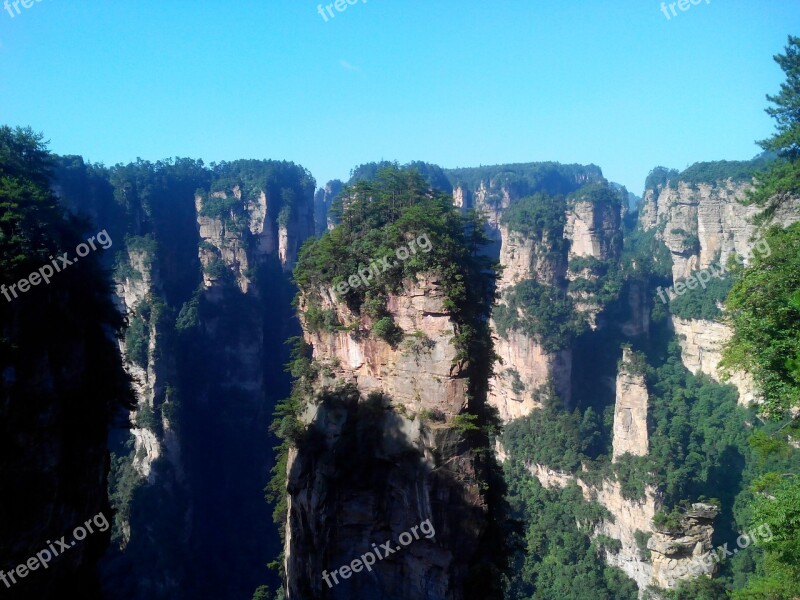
(455, 83)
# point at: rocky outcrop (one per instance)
(323, 200)
(523, 258)
(132, 291)
(678, 554)
(252, 228)
(382, 456)
(649, 556)
(703, 224)
(462, 197)
(630, 411)
(593, 229)
(522, 369)
(627, 517)
(417, 375)
(701, 350)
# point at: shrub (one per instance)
(387, 330)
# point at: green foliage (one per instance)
(635, 365)
(782, 180)
(699, 588)
(516, 381)
(223, 208)
(777, 511)
(465, 423)
(660, 177)
(722, 170)
(217, 270)
(435, 415)
(525, 179)
(709, 172)
(539, 217)
(701, 303)
(263, 593)
(633, 474)
(386, 329)
(387, 212)
(668, 520)
(287, 426)
(598, 192)
(189, 315)
(697, 425)
(144, 244)
(540, 311)
(433, 175)
(146, 418)
(319, 319)
(602, 279)
(123, 481)
(644, 255)
(554, 437)
(30, 217)
(557, 558)
(137, 335)
(766, 323)
(641, 543)
(689, 241)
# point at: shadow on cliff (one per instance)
(365, 474)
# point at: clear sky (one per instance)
(457, 83)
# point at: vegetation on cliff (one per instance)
(764, 310)
(378, 216)
(62, 381)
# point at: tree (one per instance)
(782, 181)
(766, 322)
(764, 311)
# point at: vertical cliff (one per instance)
(701, 215)
(703, 218)
(201, 272)
(323, 200)
(385, 430)
(559, 256)
(630, 409)
(61, 382)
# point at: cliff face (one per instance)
(132, 292)
(630, 412)
(523, 368)
(61, 387)
(323, 200)
(594, 232)
(701, 350)
(524, 365)
(593, 229)
(703, 224)
(650, 556)
(202, 280)
(382, 457)
(562, 258)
